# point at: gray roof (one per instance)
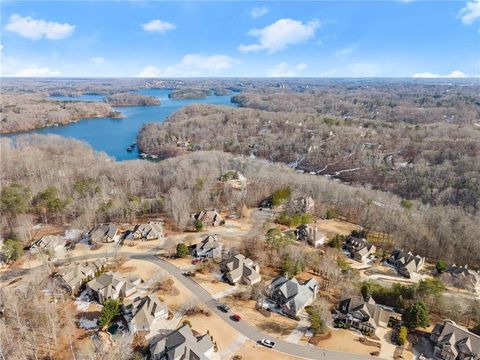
(145, 310)
(457, 339)
(110, 285)
(180, 344)
(209, 243)
(296, 296)
(406, 260)
(367, 312)
(238, 267)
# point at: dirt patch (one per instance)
(211, 283)
(333, 227)
(346, 341)
(315, 340)
(275, 325)
(141, 268)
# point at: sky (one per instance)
(395, 38)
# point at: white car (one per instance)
(268, 343)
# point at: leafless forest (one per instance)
(23, 112)
(437, 163)
(95, 188)
(130, 99)
(397, 102)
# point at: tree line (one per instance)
(63, 180)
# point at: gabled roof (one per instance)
(296, 295)
(457, 338)
(239, 266)
(209, 243)
(366, 311)
(145, 310)
(154, 229)
(181, 344)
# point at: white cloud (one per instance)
(259, 12)
(38, 72)
(97, 60)
(149, 71)
(158, 26)
(192, 65)
(346, 50)
(470, 12)
(34, 29)
(285, 70)
(280, 34)
(453, 74)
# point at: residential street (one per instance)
(247, 330)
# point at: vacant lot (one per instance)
(346, 341)
(275, 325)
(334, 226)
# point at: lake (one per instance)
(113, 136)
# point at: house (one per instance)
(181, 344)
(405, 262)
(462, 275)
(209, 218)
(103, 233)
(310, 235)
(290, 295)
(149, 231)
(210, 247)
(454, 342)
(366, 316)
(110, 286)
(358, 249)
(72, 277)
(50, 243)
(239, 269)
(145, 313)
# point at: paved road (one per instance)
(249, 331)
(306, 351)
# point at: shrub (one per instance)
(441, 266)
(402, 336)
(111, 309)
(336, 241)
(281, 196)
(331, 214)
(12, 249)
(198, 225)
(182, 250)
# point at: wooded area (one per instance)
(90, 187)
(23, 112)
(436, 163)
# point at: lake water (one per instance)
(113, 136)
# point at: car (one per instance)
(236, 317)
(268, 343)
(224, 307)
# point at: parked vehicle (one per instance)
(236, 317)
(224, 307)
(268, 343)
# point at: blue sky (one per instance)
(174, 39)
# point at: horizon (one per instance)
(170, 40)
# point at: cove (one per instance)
(113, 136)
